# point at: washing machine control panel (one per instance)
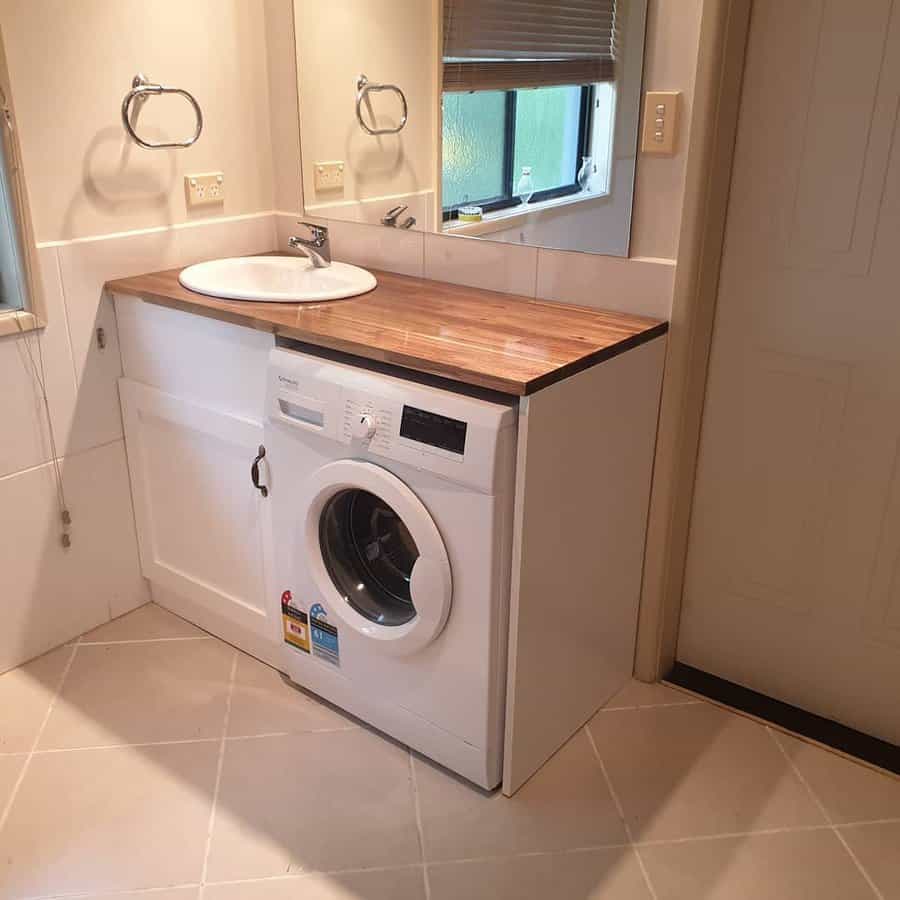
(366, 420)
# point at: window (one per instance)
(12, 275)
(490, 136)
(20, 300)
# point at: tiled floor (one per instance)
(151, 759)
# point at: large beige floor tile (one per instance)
(262, 703)
(10, 768)
(388, 884)
(565, 805)
(590, 875)
(141, 693)
(801, 865)
(639, 693)
(850, 792)
(877, 847)
(109, 820)
(148, 622)
(25, 697)
(686, 771)
(313, 802)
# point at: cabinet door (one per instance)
(202, 525)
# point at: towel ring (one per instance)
(141, 89)
(363, 87)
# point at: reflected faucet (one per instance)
(318, 248)
(392, 215)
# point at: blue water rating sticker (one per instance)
(296, 624)
(324, 636)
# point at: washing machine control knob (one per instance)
(363, 428)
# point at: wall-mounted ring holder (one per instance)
(141, 89)
(363, 88)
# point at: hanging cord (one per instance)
(37, 365)
(40, 378)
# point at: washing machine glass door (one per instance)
(377, 555)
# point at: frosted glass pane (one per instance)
(547, 135)
(12, 290)
(473, 147)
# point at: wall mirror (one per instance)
(506, 120)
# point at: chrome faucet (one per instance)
(318, 248)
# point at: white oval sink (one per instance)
(276, 279)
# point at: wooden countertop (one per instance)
(506, 343)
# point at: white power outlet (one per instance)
(203, 189)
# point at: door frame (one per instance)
(724, 28)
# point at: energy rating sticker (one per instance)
(324, 637)
(296, 624)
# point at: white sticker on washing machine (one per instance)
(324, 636)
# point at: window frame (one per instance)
(508, 200)
(33, 314)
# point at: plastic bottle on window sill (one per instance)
(525, 186)
(586, 172)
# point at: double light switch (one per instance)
(660, 121)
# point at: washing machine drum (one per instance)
(377, 555)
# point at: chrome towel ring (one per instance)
(141, 89)
(363, 87)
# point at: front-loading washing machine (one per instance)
(392, 509)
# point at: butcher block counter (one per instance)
(515, 345)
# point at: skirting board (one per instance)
(585, 459)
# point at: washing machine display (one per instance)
(370, 555)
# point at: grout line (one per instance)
(94, 747)
(271, 734)
(198, 637)
(219, 766)
(37, 738)
(128, 892)
(825, 814)
(614, 709)
(309, 873)
(621, 811)
(414, 784)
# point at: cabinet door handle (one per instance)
(254, 472)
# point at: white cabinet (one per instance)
(203, 527)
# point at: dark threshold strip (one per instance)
(825, 731)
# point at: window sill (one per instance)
(515, 215)
(18, 322)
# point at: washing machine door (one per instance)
(376, 555)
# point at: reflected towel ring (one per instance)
(141, 88)
(363, 87)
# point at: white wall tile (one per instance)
(24, 439)
(479, 263)
(50, 594)
(638, 286)
(375, 246)
(87, 265)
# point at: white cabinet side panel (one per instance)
(583, 484)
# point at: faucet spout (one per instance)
(317, 248)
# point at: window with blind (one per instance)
(12, 273)
(16, 265)
(527, 85)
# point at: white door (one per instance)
(201, 522)
(793, 575)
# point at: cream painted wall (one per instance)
(71, 64)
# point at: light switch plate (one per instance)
(329, 175)
(203, 189)
(660, 129)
